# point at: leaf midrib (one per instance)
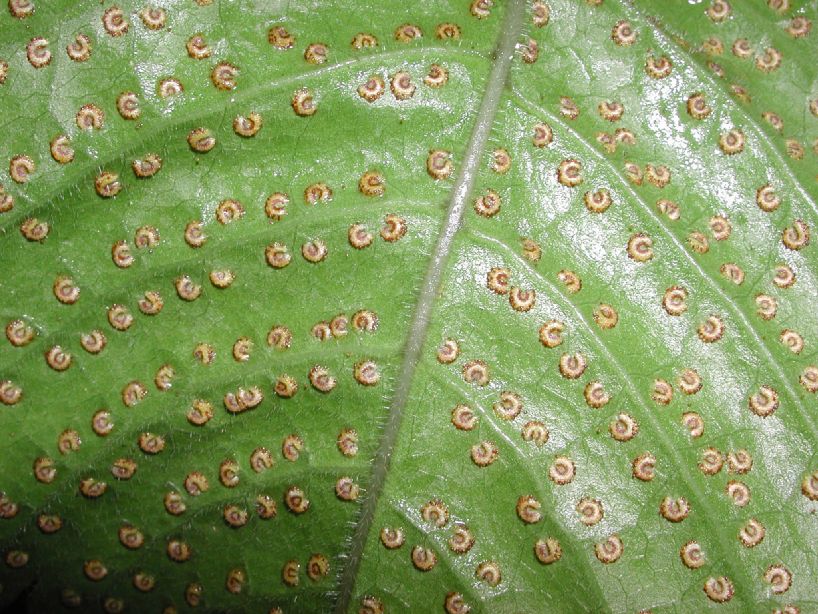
(504, 52)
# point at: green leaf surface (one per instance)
(543, 339)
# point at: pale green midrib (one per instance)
(719, 86)
(698, 499)
(140, 139)
(738, 313)
(564, 534)
(136, 286)
(510, 31)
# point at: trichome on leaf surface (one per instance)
(443, 306)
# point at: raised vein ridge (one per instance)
(503, 56)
